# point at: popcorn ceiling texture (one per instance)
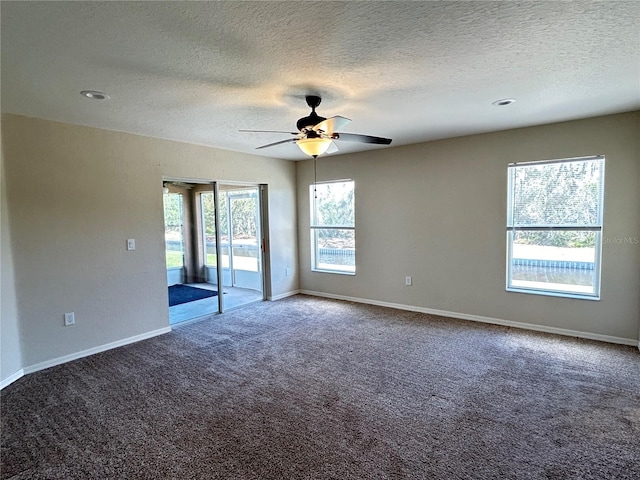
(411, 71)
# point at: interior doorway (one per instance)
(214, 238)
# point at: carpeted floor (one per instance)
(309, 388)
(179, 294)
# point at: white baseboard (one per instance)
(92, 351)
(283, 295)
(478, 318)
(12, 378)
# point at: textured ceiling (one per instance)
(411, 71)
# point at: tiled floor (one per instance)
(233, 297)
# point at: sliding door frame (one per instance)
(216, 221)
(263, 225)
(264, 244)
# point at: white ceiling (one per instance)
(411, 71)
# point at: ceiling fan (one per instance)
(316, 134)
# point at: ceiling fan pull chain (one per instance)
(315, 177)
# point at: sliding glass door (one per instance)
(233, 258)
(214, 246)
(245, 260)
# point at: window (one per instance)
(554, 227)
(173, 235)
(209, 228)
(333, 227)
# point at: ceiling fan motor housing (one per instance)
(313, 119)
(310, 121)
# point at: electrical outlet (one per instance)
(287, 272)
(69, 319)
(407, 281)
(131, 244)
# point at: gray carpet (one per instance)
(308, 388)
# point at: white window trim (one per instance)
(312, 228)
(596, 228)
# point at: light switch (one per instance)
(131, 244)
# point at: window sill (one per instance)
(338, 272)
(550, 293)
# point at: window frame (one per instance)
(314, 228)
(597, 228)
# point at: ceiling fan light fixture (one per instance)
(314, 146)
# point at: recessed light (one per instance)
(94, 95)
(503, 102)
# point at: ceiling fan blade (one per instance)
(269, 131)
(333, 148)
(332, 124)
(355, 137)
(288, 140)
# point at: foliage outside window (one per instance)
(209, 228)
(244, 228)
(333, 227)
(243, 225)
(173, 240)
(554, 227)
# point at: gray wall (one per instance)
(437, 211)
(75, 195)
(10, 350)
